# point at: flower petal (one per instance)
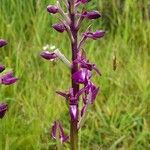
(63, 137)
(54, 127)
(82, 76)
(58, 129)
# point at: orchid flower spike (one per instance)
(81, 70)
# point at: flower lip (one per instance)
(52, 9)
(3, 42)
(3, 109)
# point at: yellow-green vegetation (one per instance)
(120, 118)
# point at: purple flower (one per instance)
(60, 27)
(80, 68)
(94, 35)
(91, 15)
(69, 96)
(85, 64)
(3, 42)
(57, 129)
(2, 68)
(82, 76)
(52, 9)
(8, 78)
(48, 55)
(3, 109)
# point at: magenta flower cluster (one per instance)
(81, 68)
(6, 79)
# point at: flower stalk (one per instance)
(75, 86)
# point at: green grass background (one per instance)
(120, 117)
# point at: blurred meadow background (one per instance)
(120, 118)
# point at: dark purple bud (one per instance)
(82, 76)
(8, 78)
(94, 35)
(58, 129)
(82, 1)
(92, 15)
(3, 109)
(49, 55)
(2, 68)
(3, 42)
(52, 9)
(73, 112)
(59, 27)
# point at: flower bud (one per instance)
(52, 9)
(8, 78)
(2, 42)
(93, 15)
(82, 1)
(59, 27)
(48, 55)
(3, 109)
(94, 35)
(2, 68)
